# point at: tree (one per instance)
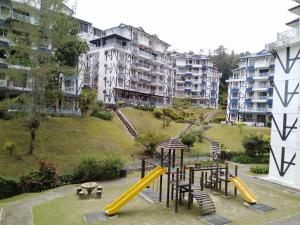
(150, 140)
(189, 139)
(87, 100)
(36, 39)
(181, 104)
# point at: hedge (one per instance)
(259, 169)
(8, 187)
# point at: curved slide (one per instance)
(243, 189)
(114, 207)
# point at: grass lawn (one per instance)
(144, 120)
(64, 141)
(231, 137)
(70, 210)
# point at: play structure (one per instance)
(184, 181)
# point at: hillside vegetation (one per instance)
(64, 141)
(145, 120)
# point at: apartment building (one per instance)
(285, 134)
(131, 66)
(11, 87)
(250, 90)
(197, 79)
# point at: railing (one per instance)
(260, 98)
(285, 38)
(260, 87)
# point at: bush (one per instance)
(42, 180)
(199, 133)
(189, 139)
(150, 140)
(10, 147)
(86, 101)
(205, 123)
(104, 115)
(168, 121)
(104, 169)
(229, 155)
(145, 108)
(259, 169)
(242, 159)
(219, 119)
(158, 113)
(256, 145)
(8, 187)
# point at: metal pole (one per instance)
(143, 168)
(226, 180)
(169, 173)
(235, 174)
(190, 187)
(177, 180)
(161, 176)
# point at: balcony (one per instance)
(260, 88)
(145, 79)
(260, 99)
(262, 76)
(234, 90)
(258, 109)
(143, 90)
(24, 18)
(250, 78)
(284, 39)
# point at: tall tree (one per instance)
(39, 29)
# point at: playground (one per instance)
(169, 192)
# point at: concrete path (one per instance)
(292, 220)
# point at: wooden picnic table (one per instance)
(89, 186)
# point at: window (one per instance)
(84, 27)
(4, 10)
(135, 36)
(97, 32)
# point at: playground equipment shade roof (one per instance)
(173, 144)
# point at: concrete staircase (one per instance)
(132, 131)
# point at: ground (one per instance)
(59, 139)
(145, 120)
(68, 209)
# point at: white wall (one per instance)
(292, 142)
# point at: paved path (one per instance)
(20, 212)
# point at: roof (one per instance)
(173, 144)
(258, 54)
(190, 56)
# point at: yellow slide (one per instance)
(114, 207)
(243, 189)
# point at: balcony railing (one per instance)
(285, 38)
(260, 98)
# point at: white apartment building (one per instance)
(197, 79)
(285, 133)
(250, 90)
(10, 87)
(131, 66)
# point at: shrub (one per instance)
(189, 139)
(158, 113)
(228, 155)
(219, 119)
(168, 121)
(150, 139)
(199, 133)
(145, 108)
(259, 169)
(205, 123)
(244, 159)
(256, 145)
(10, 147)
(86, 101)
(44, 179)
(104, 115)
(104, 169)
(8, 187)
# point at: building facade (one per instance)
(285, 134)
(12, 87)
(197, 79)
(250, 90)
(131, 66)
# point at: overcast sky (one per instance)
(242, 25)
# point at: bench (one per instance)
(99, 194)
(81, 195)
(78, 190)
